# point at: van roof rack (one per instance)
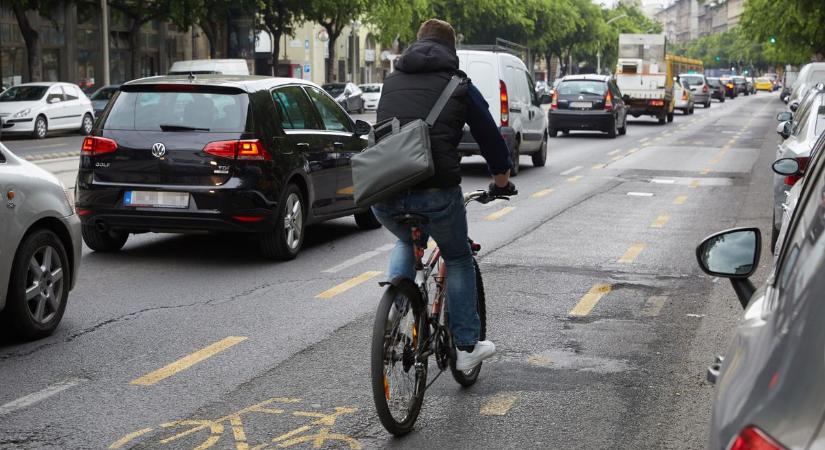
(501, 45)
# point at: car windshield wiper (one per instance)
(589, 93)
(181, 128)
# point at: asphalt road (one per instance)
(603, 322)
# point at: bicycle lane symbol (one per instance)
(317, 433)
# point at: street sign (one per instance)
(306, 67)
(306, 44)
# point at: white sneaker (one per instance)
(465, 361)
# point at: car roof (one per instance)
(587, 77)
(249, 83)
(40, 83)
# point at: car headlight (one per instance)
(22, 113)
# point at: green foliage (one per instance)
(796, 26)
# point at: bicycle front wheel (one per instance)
(469, 377)
(399, 332)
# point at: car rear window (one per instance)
(179, 111)
(691, 79)
(581, 87)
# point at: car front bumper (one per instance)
(25, 125)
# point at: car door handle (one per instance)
(515, 110)
(338, 144)
(303, 146)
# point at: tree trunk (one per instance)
(34, 54)
(134, 48)
(330, 63)
(210, 30)
(276, 48)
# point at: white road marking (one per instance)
(37, 397)
(640, 194)
(359, 259)
(662, 181)
(571, 170)
(614, 152)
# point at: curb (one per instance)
(46, 156)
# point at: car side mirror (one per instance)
(784, 116)
(626, 98)
(787, 167)
(784, 129)
(546, 99)
(732, 254)
(362, 128)
(54, 99)
(794, 106)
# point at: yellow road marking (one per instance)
(660, 221)
(632, 253)
(714, 160)
(704, 171)
(599, 166)
(499, 404)
(617, 157)
(574, 179)
(126, 439)
(611, 153)
(539, 360)
(347, 285)
(188, 361)
(500, 213)
(694, 184)
(654, 305)
(543, 193)
(680, 200)
(590, 299)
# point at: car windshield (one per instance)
(691, 79)
(178, 111)
(582, 87)
(334, 89)
(370, 89)
(104, 94)
(23, 93)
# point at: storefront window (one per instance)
(51, 65)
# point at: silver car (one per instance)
(699, 86)
(40, 248)
(801, 133)
(770, 384)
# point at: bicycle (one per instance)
(411, 325)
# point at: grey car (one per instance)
(40, 248)
(102, 96)
(770, 385)
(699, 86)
(801, 131)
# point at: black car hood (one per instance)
(428, 55)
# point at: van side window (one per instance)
(534, 100)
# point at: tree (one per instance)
(795, 27)
(334, 16)
(139, 13)
(278, 18)
(31, 36)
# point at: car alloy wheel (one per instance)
(44, 285)
(86, 127)
(41, 128)
(293, 221)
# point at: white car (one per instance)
(37, 108)
(683, 97)
(371, 95)
(210, 66)
(40, 248)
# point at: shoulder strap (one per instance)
(442, 101)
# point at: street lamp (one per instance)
(599, 52)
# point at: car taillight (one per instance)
(94, 145)
(656, 102)
(608, 102)
(684, 95)
(505, 103)
(752, 438)
(250, 149)
(705, 89)
(730, 85)
(554, 102)
(803, 161)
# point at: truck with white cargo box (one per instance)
(643, 74)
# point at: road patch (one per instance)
(590, 299)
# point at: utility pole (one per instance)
(104, 30)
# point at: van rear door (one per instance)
(483, 70)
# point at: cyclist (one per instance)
(421, 74)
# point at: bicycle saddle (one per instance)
(410, 219)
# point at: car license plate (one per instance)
(156, 199)
(581, 105)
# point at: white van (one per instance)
(507, 86)
(210, 66)
(809, 76)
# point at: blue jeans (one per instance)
(448, 227)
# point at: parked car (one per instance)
(741, 85)
(788, 80)
(258, 155)
(730, 87)
(763, 84)
(800, 132)
(506, 84)
(587, 102)
(39, 248)
(101, 97)
(769, 383)
(348, 95)
(210, 66)
(683, 97)
(371, 95)
(717, 89)
(37, 108)
(774, 79)
(699, 87)
(809, 75)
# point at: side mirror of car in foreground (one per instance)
(626, 98)
(784, 116)
(787, 167)
(546, 99)
(362, 128)
(784, 129)
(732, 254)
(794, 106)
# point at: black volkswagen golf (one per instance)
(218, 153)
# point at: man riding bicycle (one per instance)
(409, 93)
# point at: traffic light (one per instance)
(718, 58)
(773, 39)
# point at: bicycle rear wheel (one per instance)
(399, 331)
(469, 377)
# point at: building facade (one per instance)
(685, 20)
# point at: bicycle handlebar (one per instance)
(485, 197)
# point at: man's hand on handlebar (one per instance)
(506, 191)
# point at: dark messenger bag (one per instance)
(400, 158)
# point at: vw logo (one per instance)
(158, 150)
(581, 97)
